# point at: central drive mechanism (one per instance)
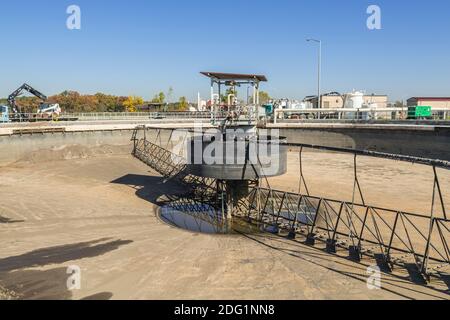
(236, 159)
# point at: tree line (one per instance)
(74, 102)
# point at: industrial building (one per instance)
(434, 102)
(334, 100)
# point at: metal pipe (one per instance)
(212, 101)
(229, 100)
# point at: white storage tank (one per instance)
(353, 100)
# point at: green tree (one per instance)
(183, 104)
(162, 97)
(264, 97)
(106, 103)
(230, 90)
(159, 98)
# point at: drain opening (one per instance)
(204, 218)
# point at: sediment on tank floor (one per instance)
(98, 210)
(73, 152)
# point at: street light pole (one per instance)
(248, 95)
(319, 98)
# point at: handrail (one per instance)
(357, 113)
(426, 161)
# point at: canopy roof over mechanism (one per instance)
(235, 77)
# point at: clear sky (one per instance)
(142, 47)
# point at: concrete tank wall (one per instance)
(23, 147)
(431, 143)
(20, 147)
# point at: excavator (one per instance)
(46, 111)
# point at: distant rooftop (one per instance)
(235, 76)
(431, 98)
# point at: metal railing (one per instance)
(168, 164)
(111, 116)
(280, 115)
(363, 114)
(137, 115)
(394, 237)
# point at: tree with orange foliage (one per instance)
(132, 102)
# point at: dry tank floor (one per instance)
(96, 213)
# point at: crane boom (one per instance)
(12, 97)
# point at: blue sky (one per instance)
(142, 47)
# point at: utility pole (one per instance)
(319, 71)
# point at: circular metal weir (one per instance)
(236, 156)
